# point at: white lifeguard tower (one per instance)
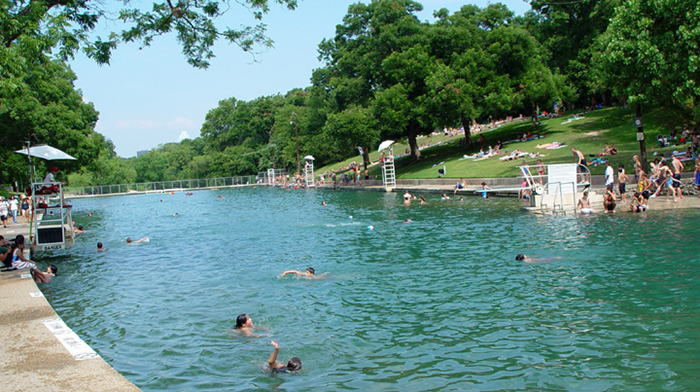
(388, 168)
(309, 171)
(51, 224)
(559, 190)
(271, 177)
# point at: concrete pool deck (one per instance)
(33, 358)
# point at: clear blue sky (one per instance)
(152, 96)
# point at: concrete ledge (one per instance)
(31, 357)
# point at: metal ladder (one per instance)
(389, 173)
(309, 171)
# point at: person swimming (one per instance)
(130, 241)
(244, 325)
(525, 258)
(310, 272)
(293, 364)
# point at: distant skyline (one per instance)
(152, 96)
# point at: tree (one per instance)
(66, 26)
(372, 58)
(650, 54)
(355, 126)
(488, 67)
(568, 30)
(45, 108)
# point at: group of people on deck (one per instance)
(662, 176)
(12, 256)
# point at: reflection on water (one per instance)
(436, 304)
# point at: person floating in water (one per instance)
(323, 203)
(293, 364)
(100, 248)
(244, 325)
(310, 272)
(130, 241)
(522, 257)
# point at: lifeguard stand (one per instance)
(387, 163)
(52, 224)
(309, 170)
(271, 177)
(389, 172)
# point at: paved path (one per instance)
(31, 357)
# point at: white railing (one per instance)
(161, 186)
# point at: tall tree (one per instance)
(488, 67)
(69, 23)
(650, 54)
(366, 61)
(45, 108)
(568, 30)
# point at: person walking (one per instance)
(3, 211)
(14, 207)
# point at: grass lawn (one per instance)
(589, 134)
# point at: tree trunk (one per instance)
(365, 156)
(467, 132)
(413, 130)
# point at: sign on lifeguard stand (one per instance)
(309, 170)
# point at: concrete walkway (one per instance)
(31, 355)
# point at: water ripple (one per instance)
(436, 304)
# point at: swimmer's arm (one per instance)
(273, 357)
(291, 272)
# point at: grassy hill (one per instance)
(588, 134)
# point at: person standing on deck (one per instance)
(580, 160)
(609, 177)
(677, 170)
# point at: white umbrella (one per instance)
(46, 152)
(385, 144)
(309, 158)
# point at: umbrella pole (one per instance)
(31, 185)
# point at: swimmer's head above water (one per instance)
(311, 271)
(243, 321)
(294, 363)
(520, 257)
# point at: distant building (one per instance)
(139, 153)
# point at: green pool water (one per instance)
(437, 304)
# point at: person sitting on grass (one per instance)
(293, 364)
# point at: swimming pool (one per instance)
(437, 304)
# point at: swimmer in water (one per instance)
(244, 325)
(130, 241)
(522, 257)
(99, 247)
(323, 203)
(310, 272)
(293, 364)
